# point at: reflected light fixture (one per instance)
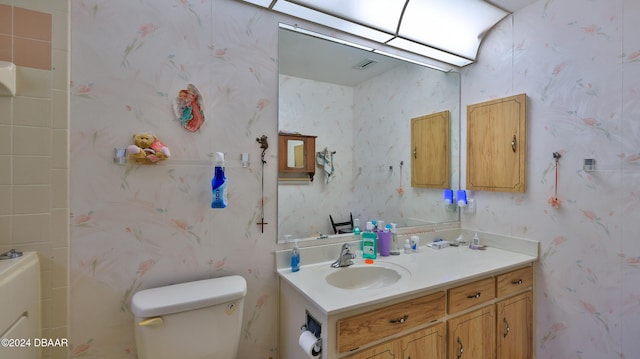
(449, 31)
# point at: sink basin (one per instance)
(364, 277)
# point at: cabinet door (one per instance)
(515, 329)
(425, 343)
(496, 145)
(383, 351)
(473, 335)
(430, 164)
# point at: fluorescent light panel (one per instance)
(411, 61)
(331, 21)
(455, 26)
(430, 52)
(324, 37)
(379, 14)
(446, 30)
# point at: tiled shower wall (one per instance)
(34, 149)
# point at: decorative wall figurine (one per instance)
(188, 108)
(147, 149)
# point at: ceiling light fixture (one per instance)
(449, 31)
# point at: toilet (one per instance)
(193, 320)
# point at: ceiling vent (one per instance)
(364, 64)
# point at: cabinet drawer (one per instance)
(512, 282)
(468, 295)
(368, 327)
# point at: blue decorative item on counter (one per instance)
(462, 198)
(448, 196)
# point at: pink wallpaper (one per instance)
(577, 62)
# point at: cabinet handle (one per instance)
(506, 328)
(460, 348)
(514, 144)
(415, 152)
(399, 320)
(517, 282)
(475, 296)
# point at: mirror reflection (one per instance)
(360, 105)
(295, 154)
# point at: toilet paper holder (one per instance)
(317, 346)
(312, 325)
(315, 328)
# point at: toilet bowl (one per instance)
(194, 320)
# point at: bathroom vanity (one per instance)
(452, 303)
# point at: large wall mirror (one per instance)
(359, 104)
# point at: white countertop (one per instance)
(427, 270)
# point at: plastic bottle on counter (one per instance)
(395, 246)
(476, 240)
(414, 243)
(295, 257)
(407, 246)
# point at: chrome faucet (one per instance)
(10, 254)
(322, 236)
(345, 258)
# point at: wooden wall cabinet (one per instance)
(430, 151)
(296, 155)
(497, 145)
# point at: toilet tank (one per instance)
(193, 320)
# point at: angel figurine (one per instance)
(188, 108)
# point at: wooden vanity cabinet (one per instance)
(487, 318)
(514, 314)
(386, 350)
(296, 155)
(472, 335)
(424, 343)
(501, 329)
(515, 327)
(360, 330)
(470, 295)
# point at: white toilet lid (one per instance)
(187, 296)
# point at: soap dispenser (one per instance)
(295, 257)
(476, 240)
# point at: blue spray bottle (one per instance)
(219, 183)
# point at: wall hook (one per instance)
(262, 140)
(554, 201)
